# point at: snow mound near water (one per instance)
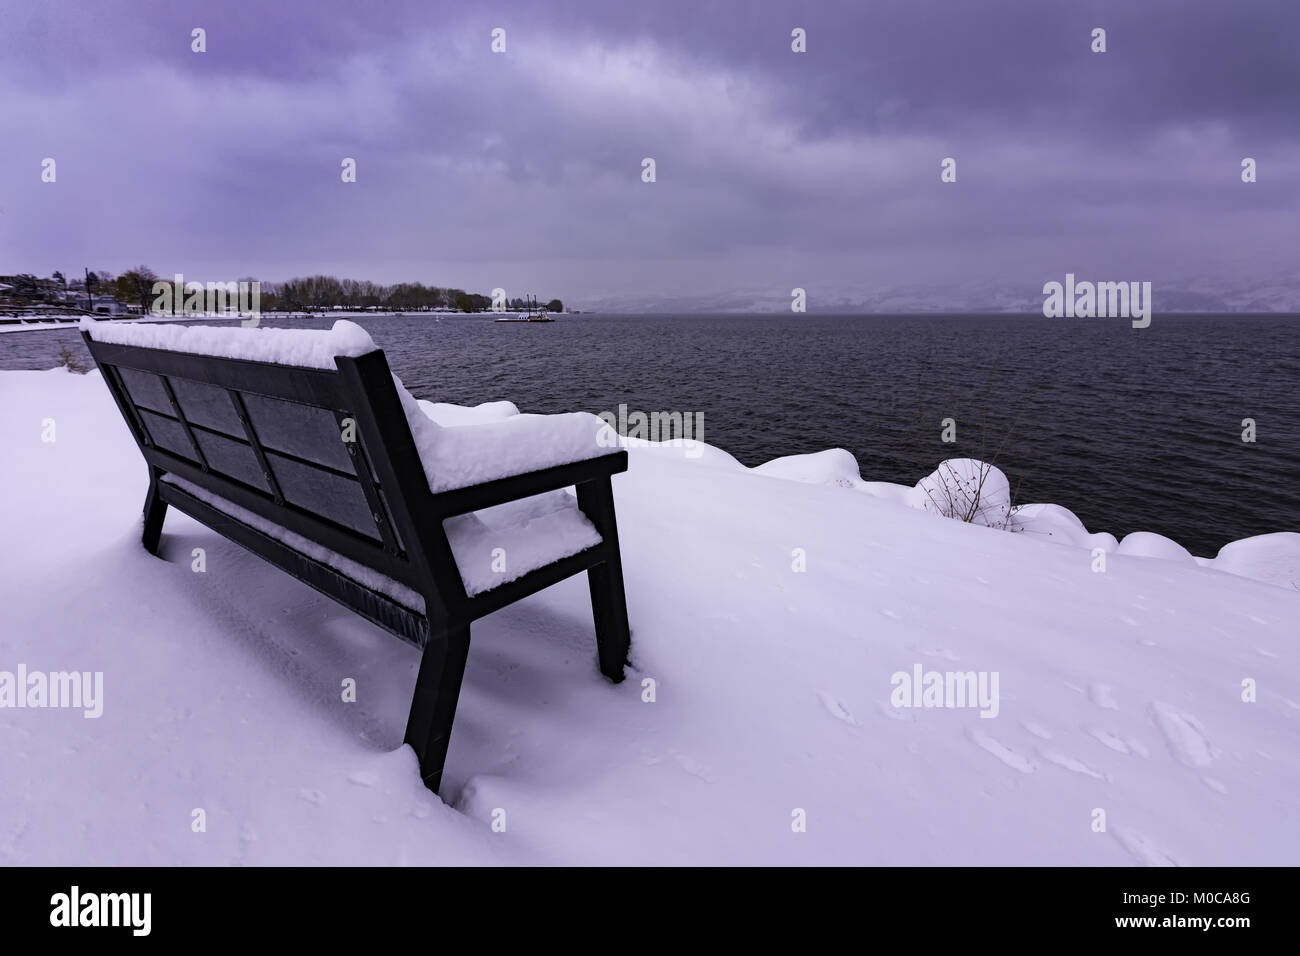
(968, 489)
(1274, 558)
(1148, 544)
(835, 466)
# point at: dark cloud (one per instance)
(774, 169)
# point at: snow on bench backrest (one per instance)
(452, 457)
(306, 348)
(284, 443)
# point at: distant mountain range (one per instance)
(1279, 294)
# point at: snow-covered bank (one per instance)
(984, 492)
(1120, 691)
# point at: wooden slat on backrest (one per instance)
(267, 437)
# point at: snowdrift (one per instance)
(772, 611)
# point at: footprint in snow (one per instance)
(1139, 846)
(1184, 735)
(1214, 785)
(311, 796)
(363, 778)
(694, 767)
(1069, 763)
(893, 713)
(1038, 730)
(1103, 695)
(836, 709)
(1106, 738)
(1008, 756)
(891, 614)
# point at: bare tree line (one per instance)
(135, 287)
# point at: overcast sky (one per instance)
(775, 169)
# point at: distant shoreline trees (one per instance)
(301, 294)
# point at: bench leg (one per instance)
(433, 707)
(155, 510)
(609, 609)
(608, 600)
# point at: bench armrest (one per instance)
(476, 497)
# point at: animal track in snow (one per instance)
(836, 709)
(1069, 763)
(1103, 695)
(1184, 735)
(1105, 737)
(893, 713)
(1038, 730)
(1138, 747)
(1009, 757)
(1139, 845)
(693, 767)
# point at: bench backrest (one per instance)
(327, 455)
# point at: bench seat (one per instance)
(531, 533)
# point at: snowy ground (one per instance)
(1119, 691)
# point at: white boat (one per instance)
(532, 315)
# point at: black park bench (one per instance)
(328, 456)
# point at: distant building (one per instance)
(108, 305)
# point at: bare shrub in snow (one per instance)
(69, 361)
(971, 491)
(974, 490)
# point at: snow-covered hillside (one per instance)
(771, 609)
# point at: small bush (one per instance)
(69, 361)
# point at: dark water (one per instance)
(1132, 429)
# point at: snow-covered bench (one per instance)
(305, 449)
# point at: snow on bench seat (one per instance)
(533, 532)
